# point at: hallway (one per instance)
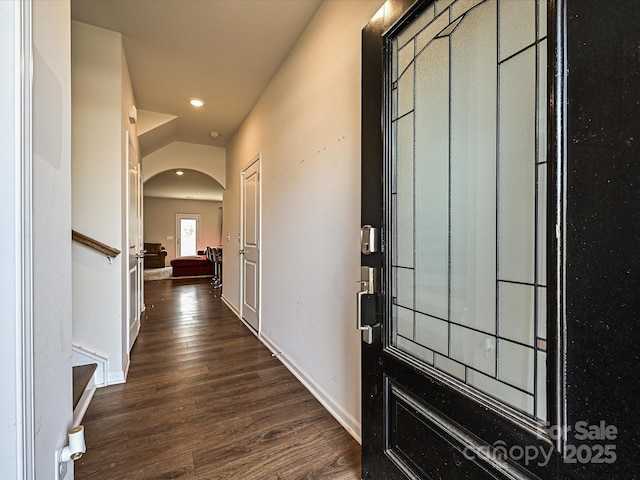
(205, 399)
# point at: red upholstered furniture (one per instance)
(196, 265)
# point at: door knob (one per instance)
(367, 291)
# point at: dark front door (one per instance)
(500, 202)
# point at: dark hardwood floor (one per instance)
(206, 400)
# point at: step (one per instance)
(81, 377)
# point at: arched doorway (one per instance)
(187, 193)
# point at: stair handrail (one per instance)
(110, 252)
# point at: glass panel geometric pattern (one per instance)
(468, 196)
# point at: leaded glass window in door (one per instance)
(468, 196)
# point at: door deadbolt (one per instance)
(368, 239)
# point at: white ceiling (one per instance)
(222, 51)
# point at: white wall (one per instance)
(160, 222)
(101, 91)
(307, 127)
(10, 425)
(51, 231)
(49, 307)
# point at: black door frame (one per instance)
(594, 160)
(600, 124)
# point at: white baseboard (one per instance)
(116, 377)
(126, 367)
(347, 420)
(231, 306)
(237, 314)
(251, 329)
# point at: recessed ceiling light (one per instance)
(196, 102)
(214, 135)
(179, 172)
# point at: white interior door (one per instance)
(250, 245)
(134, 225)
(187, 234)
